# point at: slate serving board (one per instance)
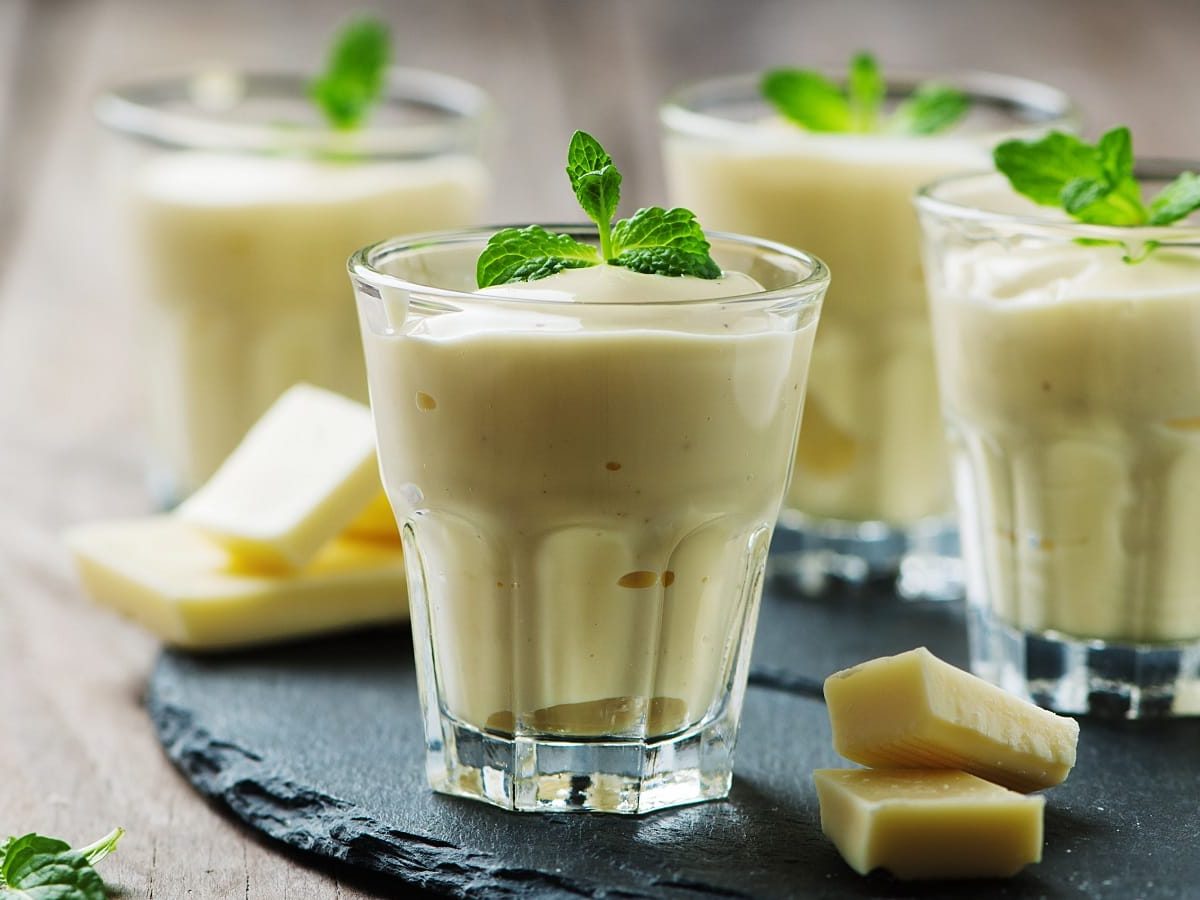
(318, 745)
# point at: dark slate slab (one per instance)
(801, 640)
(318, 745)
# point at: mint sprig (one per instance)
(354, 74)
(596, 183)
(1093, 183)
(36, 867)
(527, 254)
(931, 108)
(653, 241)
(865, 90)
(817, 103)
(659, 241)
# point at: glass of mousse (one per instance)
(1069, 361)
(241, 203)
(586, 470)
(869, 499)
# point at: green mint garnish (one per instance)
(1094, 183)
(35, 866)
(809, 99)
(931, 108)
(527, 254)
(596, 182)
(1176, 201)
(653, 241)
(866, 91)
(818, 104)
(354, 74)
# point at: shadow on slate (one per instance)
(801, 640)
(318, 745)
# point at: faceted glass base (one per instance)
(530, 774)
(1090, 677)
(919, 561)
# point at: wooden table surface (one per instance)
(76, 751)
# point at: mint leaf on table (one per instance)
(931, 108)
(653, 241)
(815, 102)
(354, 74)
(35, 867)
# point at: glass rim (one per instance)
(928, 201)
(678, 113)
(133, 108)
(363, 266)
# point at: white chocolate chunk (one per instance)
(915, 711)
(301, 475)
(193, 593)
(928, 823)
(376, 522)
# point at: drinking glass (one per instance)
(586, 493)
(1069, 362)
(870, 498)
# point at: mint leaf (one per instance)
(1093, 183)
(1177, 200)
(1115, 151)
(866, 90)
(527, 254)
(807, 98)
(931, 108)
(354, 73)
(665, 242)
(668, 261)
(596, 182)
(1143, 250)
(35, 867)
(1042, 169)
(653, 241)
(96, 851)
(810, 99)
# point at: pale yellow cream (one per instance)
(1071, 383)
(244, 258)
(871, 447)
(589, 502)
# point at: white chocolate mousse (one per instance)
(1072, 392)
(586, 497)
(245, 260)
(872, 446)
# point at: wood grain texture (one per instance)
(76, 751)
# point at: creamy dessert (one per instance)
(588, 487)
(1071, 383)
(872, 447)
(243, 257)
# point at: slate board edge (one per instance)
(244, 783)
